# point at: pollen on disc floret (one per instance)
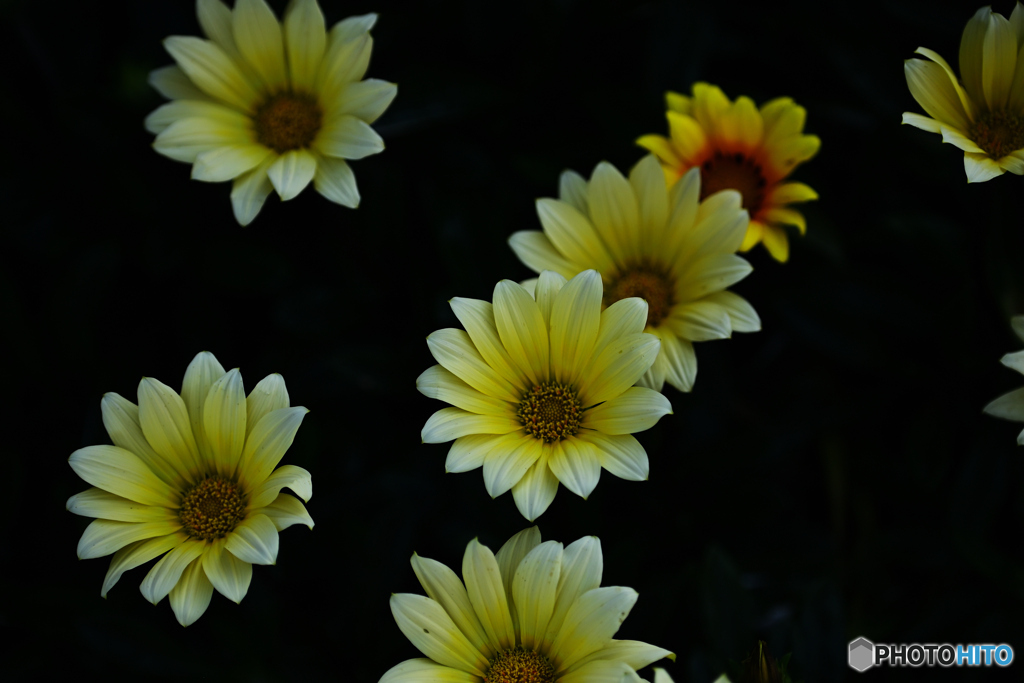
(551, 411)
(212, 508)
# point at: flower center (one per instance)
(520, 666)
(550, 412)
(734, 172)
(212, 508)
(288, 121)
(998, 133)
(650, 284)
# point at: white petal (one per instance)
(537, 252)
(590, 623)
(249, 192)
(533, 591)
(116, 470)
(620, 454)
(347, 137)
(1009, 406)
(742, 316)
(285, 511)
(576, 465)
(634, 410)
(258, 36)
(575, 321)
(104, 536)
(291, 172)
(335, 180)
(229, 575)
(191, 595)
(267, 443)
(981, 168)
(212, 70)
(505, 466)
(305, 36)
(295, 478)
(614, 212)
(444, 586)
(121, 420)
(452, 423)
(432, 631)
(255, 541)
(618, 367)
(96, 502)
(582, 567)
(269, 394)
(165, 573)
(185, 139)
(200, 375)
(426, 671)
(224, 414)
(137, 553)
(534, 493)
(228, 162)
(487, 595)
(174, 84)
(366, 100)
(468, 452)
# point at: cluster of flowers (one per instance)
(547, 383)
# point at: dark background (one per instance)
(829, 477)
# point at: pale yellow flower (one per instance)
(739, 147)
(534, 612)
(984, 114)
(194, 476)
(1010, 406)
(271, 105)
(543, 389)
(662, 244)
(661, 676)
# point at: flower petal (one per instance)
(931, 88)
(776, 242)
(249, 192)
(291, 172)
(229, 575)
(955, 137)
(229, 162)
(215, 20)
(212, 71)
(635, 410)
(545, 289)
(648, 183)
(602, 671)
(487, 595)
(426, 671)
(582, 567)
(452, 423)
(504, 466)
(590, 624)
(922, 122)
(1009, 406)
(535, 491)
(999, 59)
(965, 99)
(305, 37)
(712, 273)
(285, 511)
(575, 321)
(618, 367)
(96, 502)
(269, 394)
(347, 137)
(522, 330)
(742, 316)
(444, 586)
(122, 473)
(574, 236)
(700, 320)
(1014, 361)
(134, 554)
(429, 628)
(335, 180)
(436, 382)
(366, 100)
(533, 589)
(614, 211)
(572, 189)
(680, 362)
(161, 118)
(267, 443)
(981, 168)
(620, 454)
(347, 57)
(174, 84)
(224, 414)
(255, 540)
(191, 595)
(185, 139)
(468, 452)
(104, 536)
(537, 252)
(121, 420)
(165, 423)
(258, 36)
(634, 653)
(574, 462)
(165, 574)
(295, 478)
(478, 318)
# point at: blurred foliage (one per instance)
(829, 477)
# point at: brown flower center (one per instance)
(520, 666)
(212, 508)
(734, 172)
(653, 285)
(288, 121)
(998, 133)
(550, 412)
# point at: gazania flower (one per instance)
(533, 612)
(740, 147)
(985, 115)
(664, 245)
(543, 390)
(270, 105)
(1011, 406)
(194, 476)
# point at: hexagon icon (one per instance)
(862, 654)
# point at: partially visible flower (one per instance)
(270, 105)
(983, 116)
(534, 612)
(740, 147)
(661, 244)
(194, 476)
(543, 389)
(1011, 406)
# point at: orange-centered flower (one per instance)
(739, 147)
